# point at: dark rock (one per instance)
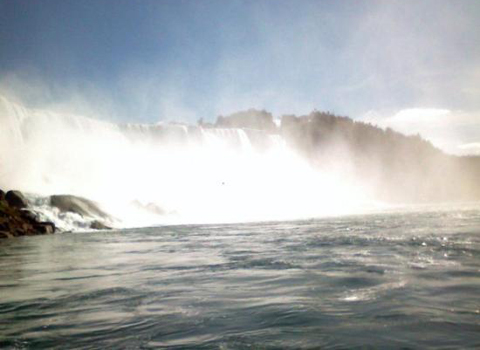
(17, 221)
(4, 234)
(45, 227)
(98, 225)
(78, 205)
(28, 215)
(3, 224)
(2, 195)
(16, 199)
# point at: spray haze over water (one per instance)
(163, 173)
(170, 60)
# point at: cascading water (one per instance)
(163, 173)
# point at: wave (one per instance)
(163, 173)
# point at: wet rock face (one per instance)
(98, 225)
(83, 207)
(45, 227)
(16, 220)
(74, 204)
(16, 199)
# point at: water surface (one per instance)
(398, 280)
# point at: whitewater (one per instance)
(165, 173)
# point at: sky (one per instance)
(408, 64)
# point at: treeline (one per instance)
(396, 167)
(249, 119)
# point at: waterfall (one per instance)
(157, 173)
(233, 137)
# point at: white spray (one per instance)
(155, 174)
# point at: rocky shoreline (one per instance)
(17, 220)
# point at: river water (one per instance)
(406, 280)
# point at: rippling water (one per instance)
(398, 280)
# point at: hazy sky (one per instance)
(395, 63)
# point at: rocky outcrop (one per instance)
(98, 225)
(16, 220)
(16, 199)
(83, 207)
(79, 205)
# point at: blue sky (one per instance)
(182, 60)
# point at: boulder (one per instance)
(16, 199)
(44, 227)
(78, 205)
(28, 216)
(98, 225)
(2, 195)
(5, 234)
